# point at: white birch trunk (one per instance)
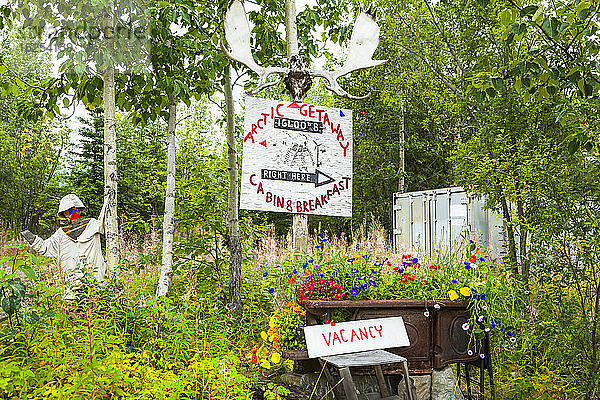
(110, 154)
(235, 246)
(166, 271)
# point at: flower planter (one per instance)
(436, 340)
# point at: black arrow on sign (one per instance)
(318, 178)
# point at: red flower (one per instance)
(254, 356)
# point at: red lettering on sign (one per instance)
(336, 130)
(269, 197)
(323, 199)
(317, 203)
(345, 147)
(249, 136)
(336, 336)
(305, 204)
(326, 119)
(265, 115)
(379, 330)
(335, 189)
(302, 110)
(279, 201)
(260, 188)
(371, 333)
(299, 206)
(340, 136)
(327, 341)
(320, 113)
(251, 181)
(342, 336)
(363, 333)
(328, 194)
(277, 109)
(347, 179)
(258, 124)
(311, 205)
(353, 335)
(311, 111)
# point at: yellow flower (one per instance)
(453, 295)
(265, 364)
(275, 358)
(263, 335)
(465, 291)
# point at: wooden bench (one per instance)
(359, 344)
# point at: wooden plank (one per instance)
(404, 303)
(364, 359)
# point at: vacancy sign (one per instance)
(355, 336)
(297, 158)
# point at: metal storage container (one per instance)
(441, 219)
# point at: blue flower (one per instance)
(322, 276)
(354, 270)
(468, 266)
(318, 246)
(361, 278)
(481, 259)
(265, 274)
(475, 296)
(304, 265)
(509, 333)
(325, 239)
(471, 241)
(311, 260)
(364, 285)
(290, 275)
(377, 264)
(388, 246)
(319, 234)
(295, 271)
(316, 266)
(400, 270)
(373, 283)
(415, 260)
(271, 290)
(454, 281)
(351, 260)
(482, 296)
(354, 292)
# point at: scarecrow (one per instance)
(76, 247)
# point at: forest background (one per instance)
(500, 97)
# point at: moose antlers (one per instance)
(363, 42)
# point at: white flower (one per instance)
(437, 306)
(513, 339)
(473, 265)
(465, 326)
(470, 352)
(482, 356)
(426, 314)
(481, 318)
(487, 329)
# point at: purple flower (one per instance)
(373, 283)
(271, 290)
(265, 274)
(361, 278)
(354, 292)
(415, 260)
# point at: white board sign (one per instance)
(355, 336)
(297, 158)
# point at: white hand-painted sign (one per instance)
(355, 336)
(297, 158)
